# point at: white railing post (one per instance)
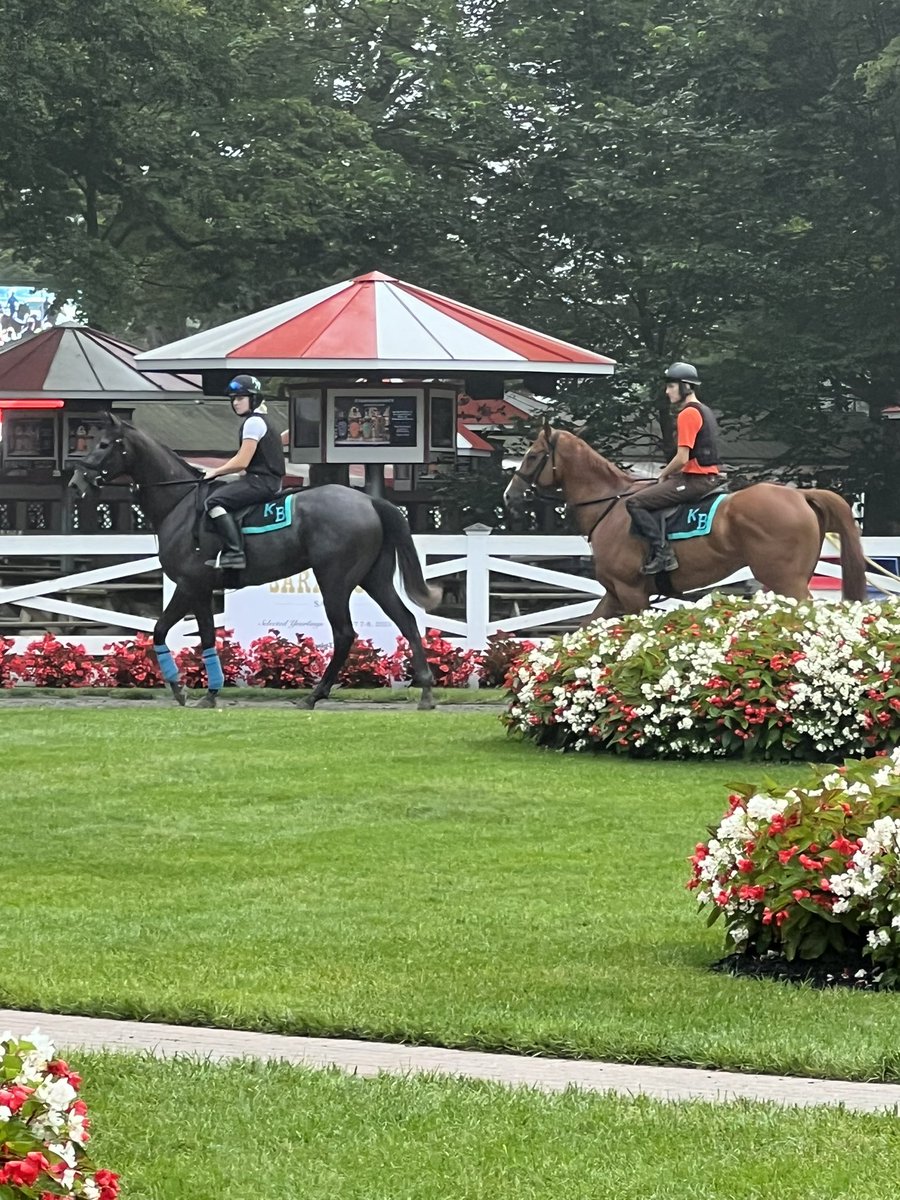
(478, 591)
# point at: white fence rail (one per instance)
(478, 555)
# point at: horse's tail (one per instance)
(397, 534)
(836, 516)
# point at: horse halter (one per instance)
(531, 479)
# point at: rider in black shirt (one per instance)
(260, 457)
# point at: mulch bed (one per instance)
(855, 972)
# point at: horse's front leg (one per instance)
(215, 676)
(177, 608)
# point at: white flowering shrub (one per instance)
(767, 676)
(812, 870)
(44, 1127)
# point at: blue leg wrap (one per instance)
(166, 664)
(214, 676)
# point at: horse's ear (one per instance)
(114, 420)
(582, 432)
(547, 430)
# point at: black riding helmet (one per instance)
(246, 385)
(684, 375)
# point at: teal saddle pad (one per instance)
(692, 520)
(267, 516)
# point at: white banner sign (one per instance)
(294, 606)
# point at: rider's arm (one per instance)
(689, 425)
(239, 462)
(676, 464)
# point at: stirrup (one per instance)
(228, 560)
(661, 560)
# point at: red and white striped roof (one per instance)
(377, 323)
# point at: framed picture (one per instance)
(30, 436)
(379, 425)
(81, 433)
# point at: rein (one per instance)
(530, 482)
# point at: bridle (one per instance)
(531, 479)
(531, 486)
(102, 475)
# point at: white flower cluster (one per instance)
(832, 650)
(38, 1092)
(869, 885)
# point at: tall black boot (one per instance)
(652, 526)
(232, 556)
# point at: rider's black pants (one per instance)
(250, 489)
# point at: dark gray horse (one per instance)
(349, 539)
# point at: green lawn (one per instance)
(191, 1131)
(397, 875)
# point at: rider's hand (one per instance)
(210, 473)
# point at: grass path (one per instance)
(392, 876)
(192, 1131)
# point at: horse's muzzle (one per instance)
(514, 496)
(83, 482)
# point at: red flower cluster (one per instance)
(48, 663)
(450, 666)
(6, 658)
(366, 666)
(496, 663)
(42, 1150)
(131, 664)
(275, 661)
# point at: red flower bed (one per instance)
(275, 661)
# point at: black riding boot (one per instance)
(652, 526)
(232, 556)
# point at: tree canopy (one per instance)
(706, 179)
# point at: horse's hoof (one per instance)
(179, 692)
(206, 701)
(426, 704)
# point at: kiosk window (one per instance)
(308, 421)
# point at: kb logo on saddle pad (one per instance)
(693, 520)
(266, 518)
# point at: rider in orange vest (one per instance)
(692, 473)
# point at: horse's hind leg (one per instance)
(379, 583)
(337, 610)
(178, 607)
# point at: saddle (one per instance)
(694, 518)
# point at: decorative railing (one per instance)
(479, 564)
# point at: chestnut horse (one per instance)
(774, 530)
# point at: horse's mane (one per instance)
(146, 437)
(607, 464)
